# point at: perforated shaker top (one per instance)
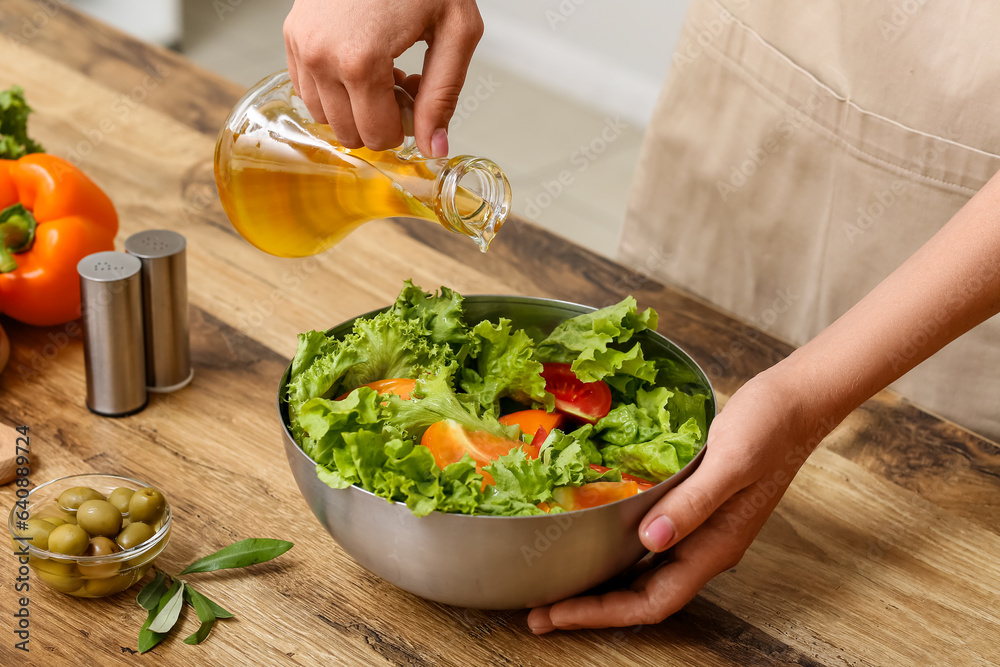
(155, 243)
(108, 267)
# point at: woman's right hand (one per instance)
(340, 59)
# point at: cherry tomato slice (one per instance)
(643, 483)
(593, 494)
(529, 421)
(449, 441)
(586, 401)
(401, 387)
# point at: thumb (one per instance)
(688, 505)
(446, 63)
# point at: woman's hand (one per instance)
(340, 59)
(755, 447)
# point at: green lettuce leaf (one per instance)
(389, 346)
(659, 458)
(568, 462)
(346, 440)
(629, 423)
(499, 503)
(558, 441)
(656, 436)
(432, 401)
(684, 407)
(653, 403)
(312, 346)
(385, 346)
(460, 487)
(626, 424)
(326, 423)
(528, 480)
(630, 369)
(505, 367)
(317, 368)
(412, 476)
(589, 343)
(673, 373)
(14, 140)
(438, 314)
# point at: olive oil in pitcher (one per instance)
(292, 190)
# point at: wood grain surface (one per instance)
(883, 552)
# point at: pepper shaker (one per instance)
(113, 347)
(165, 307)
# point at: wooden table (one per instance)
(884, 551)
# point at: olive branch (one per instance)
(164, 602)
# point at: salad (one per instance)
(420, 406)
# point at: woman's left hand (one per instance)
(755, 447)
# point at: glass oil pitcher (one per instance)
(291, 190)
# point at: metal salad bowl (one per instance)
(489, 562)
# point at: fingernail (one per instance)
(541, 629)
(658, 534)
(439, 142)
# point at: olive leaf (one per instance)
(165, 604)
(241, 554)
(217, 610)
(147, 637)
(168, 615)
(149, 596)
(205, 615)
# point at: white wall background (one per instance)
(609, 55)
(157, 21)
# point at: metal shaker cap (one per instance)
(113, 348)
(165, 307)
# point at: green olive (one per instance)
(145, 559)
(120, 498)
(63, 568)
(37, 533)
(147, 505)
(139, 570)
(64, 517)
(55, 520)
(60, 575)
(133, 535)
(70, 499)
(99, 518)
(98, 588)
(100, 546)
(69, 584)
(69, 540)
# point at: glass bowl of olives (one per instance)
(90, 535)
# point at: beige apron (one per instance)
(800, 151)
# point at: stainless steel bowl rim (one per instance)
(507, 298)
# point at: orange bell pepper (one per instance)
(51, 217)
